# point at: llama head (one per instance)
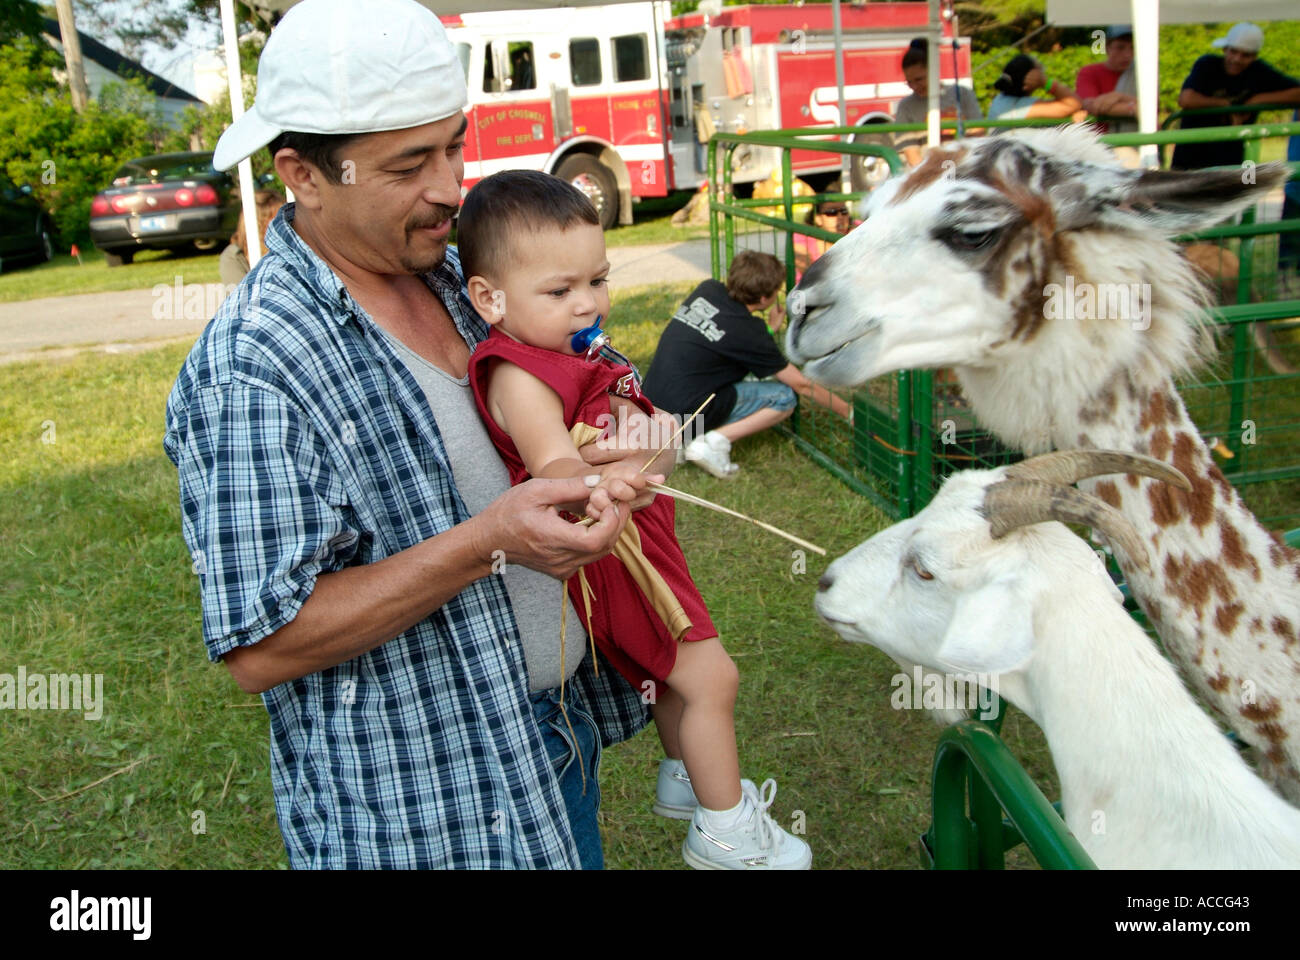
(1033, 251)
(965, 584)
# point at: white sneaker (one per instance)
(712, 454)
(718, 442)
(757, 842)
(674, 795)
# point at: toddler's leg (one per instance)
(667, 713)
(706, 680)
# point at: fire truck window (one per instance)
(462, 52)
(522, 76)
(631, 58)
(584, 60)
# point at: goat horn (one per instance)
(1069, 466)
(1017, 503)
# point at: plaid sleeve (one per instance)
(264, 512)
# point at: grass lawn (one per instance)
(652, 223)
(64, 277)
(95, 579)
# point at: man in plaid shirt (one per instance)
(319, 438)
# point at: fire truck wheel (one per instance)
(592, 177)
(867, 173)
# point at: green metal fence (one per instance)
(972, 765)
(912, 429)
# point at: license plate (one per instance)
(153, 224)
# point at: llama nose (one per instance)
(815, 270)
(796, 305)
(825, 583)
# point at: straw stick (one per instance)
(685, 423)
(63, 796)
(588, 521)
(700, 501)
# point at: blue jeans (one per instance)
(581, 805)
(754, 395)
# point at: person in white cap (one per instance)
(1238, 77)
(346, 512)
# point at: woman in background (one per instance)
(234, 259)
(832, 215)
(1021, 78)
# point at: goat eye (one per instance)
(921, 572)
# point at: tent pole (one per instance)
(935, 34)
(230, 35)
(1146, 39)
(838, 29)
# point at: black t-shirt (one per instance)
(1210, 79)
(708, 346)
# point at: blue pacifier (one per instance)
(592, 342)
(589, 337)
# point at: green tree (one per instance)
(201, 127)
(64, 156)
(19, 18)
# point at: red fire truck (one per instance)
(621, 99)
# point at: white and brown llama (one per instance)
(962, 263)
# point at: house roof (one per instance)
(114, 62)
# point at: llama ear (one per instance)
(992, 630)
(1172, 201)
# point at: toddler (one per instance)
(533, 253)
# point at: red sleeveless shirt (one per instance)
(624, 623)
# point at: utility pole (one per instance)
(72, 55)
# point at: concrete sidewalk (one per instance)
(124, 319)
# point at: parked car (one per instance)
(170, 201)
(24, 226)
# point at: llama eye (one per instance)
(974, 240)
(921, 572)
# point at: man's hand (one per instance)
(525, 525)
(776, 319)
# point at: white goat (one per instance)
(979, 583)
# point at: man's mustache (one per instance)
(441, 215)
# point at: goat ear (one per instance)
(992, 630)
(1171, 201)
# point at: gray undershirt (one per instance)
(481, 477)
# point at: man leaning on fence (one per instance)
(345, 507)
(1238, 78)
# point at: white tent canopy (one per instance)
(449, 7)
(1071, 13)
(1146, 17)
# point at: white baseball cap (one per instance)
(343, 67)
(1244, 36)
